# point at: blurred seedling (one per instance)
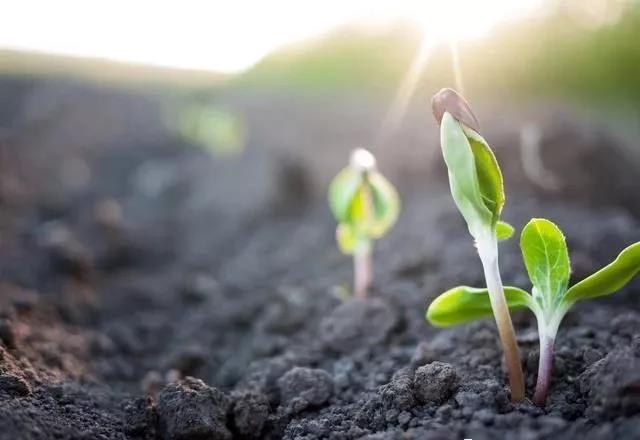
(476, 185)
(547, 261)
(365, 205)
(213, 128)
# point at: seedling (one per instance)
(477, 189)
(366, 205)
(547, 261)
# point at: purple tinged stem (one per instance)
(545, 368)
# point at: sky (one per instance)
(225, 35)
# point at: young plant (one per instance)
(547, 261)
(477, 189)
(366, 205)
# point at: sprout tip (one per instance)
(362, 160)
(448, 100)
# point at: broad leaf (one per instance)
(504, 230)
(547, 261)
(465, 304)
(342, 191)
(463, 175)
(610, 278)
(489, 174)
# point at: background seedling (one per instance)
(366, 205)
(477, 189)
(547, 261)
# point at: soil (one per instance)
(152, 290)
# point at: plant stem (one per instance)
(362, 270)
(488, 250)
(545, 367)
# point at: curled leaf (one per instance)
(489, 174)
(474, 175)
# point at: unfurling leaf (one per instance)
(547, 261)
(463, 176)
(489, 175)
(474, 176)
(504, 231)
(465, 304)
(610, 278)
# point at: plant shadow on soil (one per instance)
(152, 291)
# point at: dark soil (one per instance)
(151, 290)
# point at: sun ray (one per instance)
(398, 108)
(457, 68)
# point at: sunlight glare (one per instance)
(445, 22)
(224, 36)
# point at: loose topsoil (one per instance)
(152, 290)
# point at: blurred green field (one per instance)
(557, 55)
(554, 55)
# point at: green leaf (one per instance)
(504, 230)
(386, 204)
(489, 174)
(365, 205)
(610, 278)
(464, 304)
(342, 191)
(547, 261)
(463, 175)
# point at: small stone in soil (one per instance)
(399, 392)
(434, 382)
(302, 387)
(189, 409)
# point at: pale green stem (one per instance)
(488, 250)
